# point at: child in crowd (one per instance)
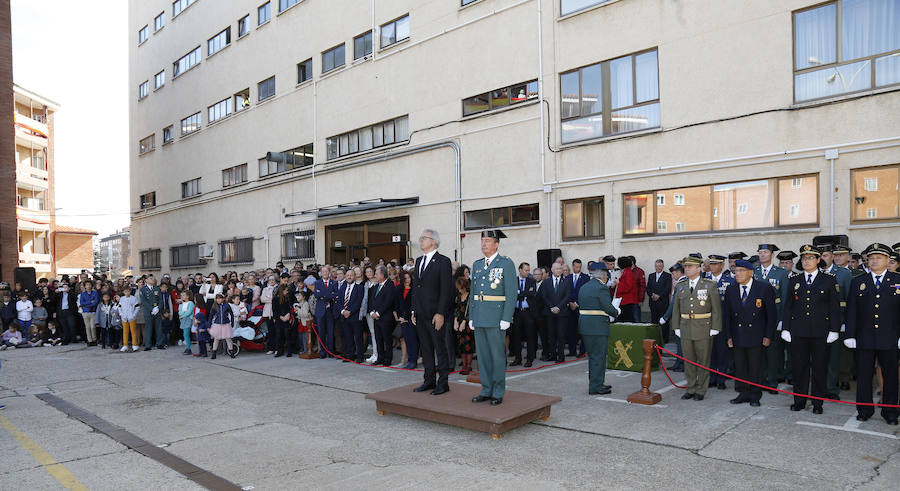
(202, 326)
(39, 315)
(303, 311)
(109, 321)
(54, 337)
(24, 308)
(128, 310)
(8, 311)
(11, 337)
(38, 336)
(221, 320)
(185, 317)
(238, 311)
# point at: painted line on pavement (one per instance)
(544, 370)
(612, 399)
(851, 425)
(54, 468)
(670, 387)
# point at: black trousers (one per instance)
(384, 340)
(285, 339)
(657, 310)
(433, 344)
(748, 365)
(809, 356)
(67, 323)
(540, 324)
(524, 329)
(350, 345)
(865, 368)
(556, 331)
(450, 339)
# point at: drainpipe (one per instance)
(831, 155)
(547, 188)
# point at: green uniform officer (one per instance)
(696, 318)
(595, 307)
(494, 292)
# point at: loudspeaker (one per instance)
(831, 239)
(545, 257)
(27, 277)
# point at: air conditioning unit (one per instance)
(206, 252)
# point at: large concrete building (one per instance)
(115, 253)
(331, 130)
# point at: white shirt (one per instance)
(807, 275)
(748, 285)
(765, 270)
(874, 275)
(425, 260)
(693, 283)
(489, 260)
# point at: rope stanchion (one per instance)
(660, 349)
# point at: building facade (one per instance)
(115, 252)
(329, 131)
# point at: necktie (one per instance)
(808, 279)
(744, 294)
(555, 284)
(692, 287)
(347, 296)
(379, 289)
(521, 289)
(422, 269)
(878, 281)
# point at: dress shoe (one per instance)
(424, 387)
(676, 368)
(737, 400)
(817, 410)
(754, 403)
(862, 417)
(410, 366)
(147, 349)
(698, 397)
(892, 421)
(797, 407)
(845, 385)
(286, 356)
(497, 401)
(516, 363)
(440, 390)
(528, 364)
(602, 391)
(162, 346)
(836, 397)
(213, 357)
(481, 398)
(772, 391)
(721, 386)
(687, 396)
(606, 386)
(278, 355)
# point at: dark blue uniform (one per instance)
(873, 320)
(810, 313)
(747, 322)
(721, 354)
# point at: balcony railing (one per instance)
(38, 204)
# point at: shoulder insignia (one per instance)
(829, 274)
(682, 280)
(795, 275)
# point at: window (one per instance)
(159, 80)
(186, 62)
(726, 206)
(871, 184)
(294, 158)
(660, 200)
(234, 175)
(298, 245)
(333, 58)
(236, 251)
(150, 259)
(179, 5)
(167, 135)
(190, 124)
(219, 41)
(265, 89)
(186, 255)
(846, 46)
(610, 97)
(502, 217)
(875, 193)
(304, 71)
(147, 144)
(190, 188)
(378, 135)
(242, 100)
(143, 90)
(263, 13)
(395, 31)
(500, 98)
(583, 218)
(677, 199)
(159, 21)
(796, 183)
(142, 35)
(219, 110)
(569, 6)
(463, 3)
(244, 26)
(286, 4)
(362, 45)
(148, 200)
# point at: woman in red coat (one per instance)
(627, 290)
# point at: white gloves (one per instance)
(843, 327)
(832, 337)
(713, 332)
(678, 332)
(850, 343)
(471, 326)
(662, 321)
(779, 326)
(618, 312)
(154, 311)
(504, 325)
(898, 343)
(786, 336)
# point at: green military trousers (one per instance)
(596, 347)
(490, 346)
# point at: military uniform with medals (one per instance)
(721, 354)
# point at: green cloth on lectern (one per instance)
(626, 346)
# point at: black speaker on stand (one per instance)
(27, 277)
(545, 257)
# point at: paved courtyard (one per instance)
(261, 423)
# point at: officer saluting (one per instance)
(696, 318)
(812, 320)
(491, 307)
(595, 304)
(873, 314)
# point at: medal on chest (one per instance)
(495, 275)
(703, 296)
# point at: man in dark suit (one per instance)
(812, 321)
(66, 310)
(537, 312)
(351, 297)
(577, 279)
(750, 320)
(524, 326)
(432, 304)
(873, 329)
(381, 303)
(555, 292)
(326, 293)
(659, 289)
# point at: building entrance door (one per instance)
(379, 239)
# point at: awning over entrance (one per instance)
(367, 205)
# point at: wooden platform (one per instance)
(457, 409)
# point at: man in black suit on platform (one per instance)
(432, 303)
(555, 293)
(659, 289)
